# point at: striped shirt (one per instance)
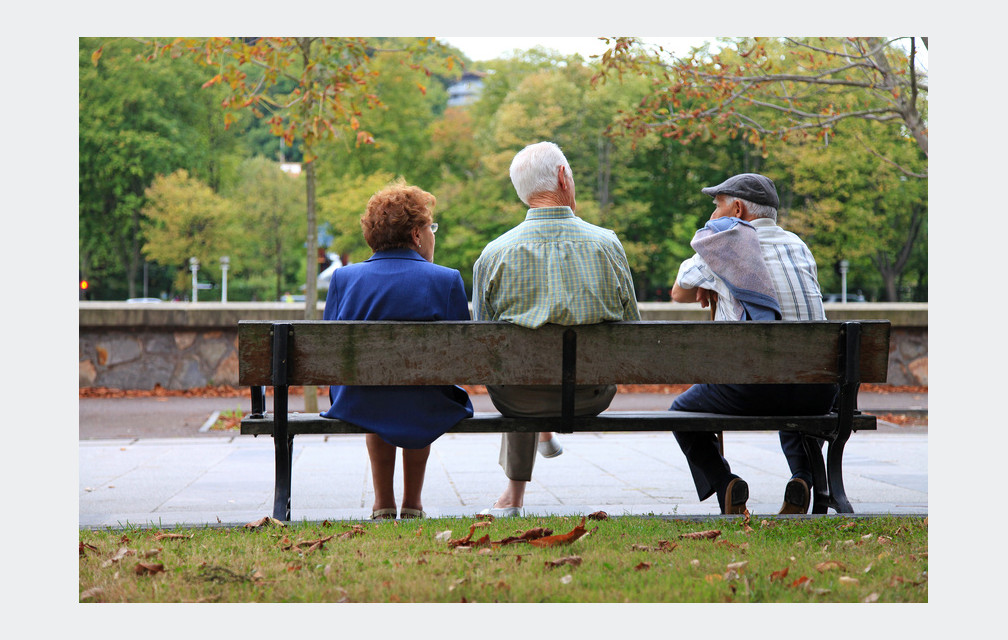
(554, 268)
(792, 271)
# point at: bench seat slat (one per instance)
(479, 353)
(309, 423)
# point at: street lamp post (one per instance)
(194, 267)
(224, 263)
(843, 280)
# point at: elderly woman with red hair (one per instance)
(399, 282)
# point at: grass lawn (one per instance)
(556, 559)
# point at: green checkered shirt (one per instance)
(554, 268)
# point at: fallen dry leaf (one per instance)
(829, 565)
(800, 581)
(531, 534)
(779, 574)
(444, 535)
(567, 579)
(848, 580)
(701, 535)
(117, 556)
(355, 530)
(463, 541)
(574, 561)
(85, 547)
(598, 515)
(663, 545)
(643, 566)
(91, 593)
(145, 568)
(564, 538)
(737, 566)
(311, 545)
(172, 536)
(871, 597)
(262, 522)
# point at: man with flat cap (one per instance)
(749, 268)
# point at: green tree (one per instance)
(185, 219)
(840, 123)
(765, 88)
(135, 123)
(270, 204)
(333, 84)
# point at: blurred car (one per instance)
(838, 297)
(142, 300)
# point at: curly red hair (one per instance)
(393, 213)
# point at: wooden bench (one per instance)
(282, 354)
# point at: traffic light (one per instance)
(83, 285)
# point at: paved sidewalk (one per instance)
(228, 479)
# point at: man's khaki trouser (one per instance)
(518, 450)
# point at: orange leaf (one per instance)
(800, 581)
(96, 54)
(598, 515)
(148, 568)
(779, 575)
(830, 565)
(643, 566)
(87, 547)
(212, 81)
(565, 538)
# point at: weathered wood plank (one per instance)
(501, 353)
(615, 421)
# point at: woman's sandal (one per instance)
(406, 512)
(384, 514)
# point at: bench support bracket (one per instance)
(283, 443)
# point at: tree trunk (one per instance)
(311, 275)
(891, 270)
(906, 105)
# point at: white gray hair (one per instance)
(534, 169)
(757, 210)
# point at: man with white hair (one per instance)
(552, 268)
(750, 269)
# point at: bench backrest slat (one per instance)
(382, 353)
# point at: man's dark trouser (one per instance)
(709, 468)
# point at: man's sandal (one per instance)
(408, 513)
(384, 514)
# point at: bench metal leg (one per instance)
(283, 447)
(283, 442)
(834, 469)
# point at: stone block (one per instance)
(117, 349)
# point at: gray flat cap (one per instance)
(748, 186)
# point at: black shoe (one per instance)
(733, 499)
(796, 497)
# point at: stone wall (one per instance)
(191, 345)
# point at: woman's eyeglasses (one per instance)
(433, 227)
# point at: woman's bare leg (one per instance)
(414, 469)
(382, 455)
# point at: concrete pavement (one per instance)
(135, 472)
